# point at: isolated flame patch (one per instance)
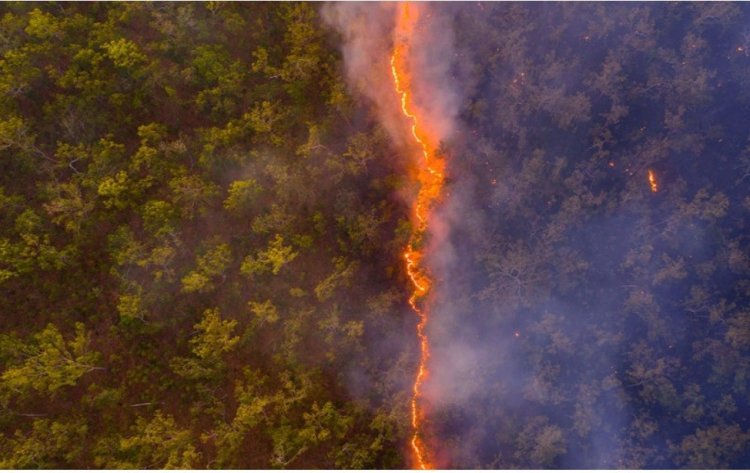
(652, 181)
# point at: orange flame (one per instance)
(652, 181)
(430, 179)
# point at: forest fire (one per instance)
(430, 179)
(652, 181)
(368, 235)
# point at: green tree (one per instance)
(241, 195)
(49, 444)
(155, 443)
(213, 340)
(272, 259)
(210, 265)
(49, 363)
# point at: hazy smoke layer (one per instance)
(580, 319)
(572, 325)
(367, 34)
(367, 31)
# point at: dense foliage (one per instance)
(197, 239)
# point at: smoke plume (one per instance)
(425, 67)
(367, 31)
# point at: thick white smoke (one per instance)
(367, 32)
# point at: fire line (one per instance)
(430, 180)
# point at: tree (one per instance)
(254, 408)
(211, 264)
(717, 447)
(265, 312)
(155, 443)
(124, 53)
(68, 208)
(191, 194)
(211, 342)
(241, 195)
(540, 443)
(272, 259)
(47, 445)
(50, 363)
(32, 250)
(159, 217)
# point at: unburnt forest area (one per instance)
(198, 237)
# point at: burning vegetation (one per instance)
(430, 180)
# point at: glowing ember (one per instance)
(652, 181)
(430, 179)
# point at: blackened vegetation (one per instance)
(607, 325)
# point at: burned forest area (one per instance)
(351, 235)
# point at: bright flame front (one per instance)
(430, 180)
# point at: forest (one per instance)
(203, 218)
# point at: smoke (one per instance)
(558, 275)
(565, 275)
(365, 30)
(367, 33)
